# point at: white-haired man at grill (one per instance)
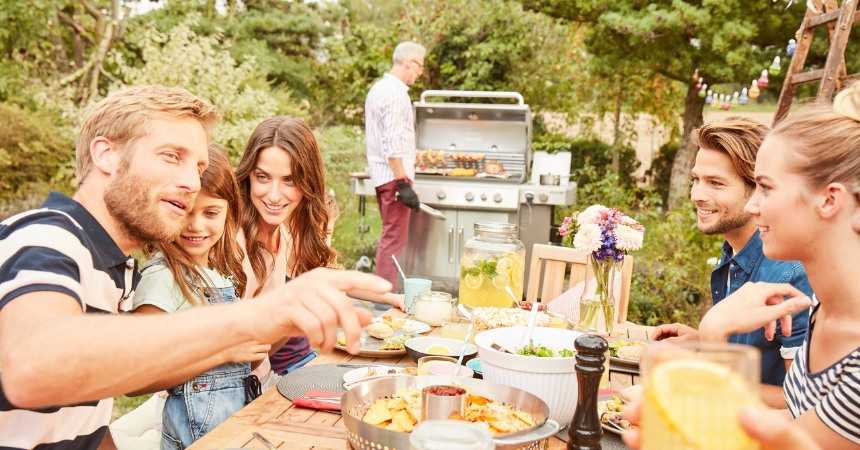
(390, 126)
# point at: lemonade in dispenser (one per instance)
(492, 260)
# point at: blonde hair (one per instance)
(739, 137)
(406, 51)
(124, 116)
(825, 139)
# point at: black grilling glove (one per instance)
(407, 195)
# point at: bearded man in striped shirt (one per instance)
(390, 127)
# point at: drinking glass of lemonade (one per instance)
(694, 393)
(455, 328)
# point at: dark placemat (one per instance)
(610, 441)
(324, 377)
(615, 367)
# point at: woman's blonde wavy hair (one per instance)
(825, 139)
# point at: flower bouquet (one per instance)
(606, 234)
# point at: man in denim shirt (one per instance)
(723, 181)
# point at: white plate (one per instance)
(362, 372)
(409, 326)
(627, 362)
(604, 398)
(370, 345)
(357, 376)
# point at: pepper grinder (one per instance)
(585, 432)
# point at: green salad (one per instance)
(544, 352)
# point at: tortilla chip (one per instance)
(526, 418)
(403, 420)
(396, 404)
(377, 413)
(456, 416)
(477, 400)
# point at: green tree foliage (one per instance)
(491, 45)
(204, 66)
(31, 149)
(727, 40)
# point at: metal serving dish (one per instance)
(364, 436)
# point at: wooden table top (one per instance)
(293, 427)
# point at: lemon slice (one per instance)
(438, 349)
(501, 280)
(700, 401)
(518, 277)
(474, 281)
(504, 265)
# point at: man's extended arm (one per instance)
(94, 356)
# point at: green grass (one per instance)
(122, 405)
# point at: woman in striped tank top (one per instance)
(807, 208)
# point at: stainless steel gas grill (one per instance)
(472, 165)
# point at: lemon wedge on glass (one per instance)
(694, 404)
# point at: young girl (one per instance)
(284, 222)
(202, 267)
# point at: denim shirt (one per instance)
(750, 265)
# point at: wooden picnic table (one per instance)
(291, 427)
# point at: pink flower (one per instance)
(562, 230)
(628, 239)
(588, 239)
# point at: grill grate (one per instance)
(514, 165)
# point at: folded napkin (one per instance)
(601, 392)
(308, 402)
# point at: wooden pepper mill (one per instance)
(585, 432)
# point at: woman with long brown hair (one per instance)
(284, 221)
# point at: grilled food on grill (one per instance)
(493, 167)
(463, 172)
(467, 157)
(430, 158)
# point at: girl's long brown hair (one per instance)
(307, 224)
(226, 255)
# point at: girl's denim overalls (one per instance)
(201, 404)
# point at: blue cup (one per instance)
(411, 288)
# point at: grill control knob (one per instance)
(543, 197)
(497, 198)
(483, 196)
(441, 195)
(470, 196)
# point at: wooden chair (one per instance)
(549, 265)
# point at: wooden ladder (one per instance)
(838, 21)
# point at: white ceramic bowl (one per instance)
(553, 380)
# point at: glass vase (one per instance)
(597, 306)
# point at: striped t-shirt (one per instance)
(390, 129)
(61, 247)
(834, 392)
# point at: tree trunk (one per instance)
(99, 57)
(616, 145)
(679, 183)
(59, 47)
(79, 51)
